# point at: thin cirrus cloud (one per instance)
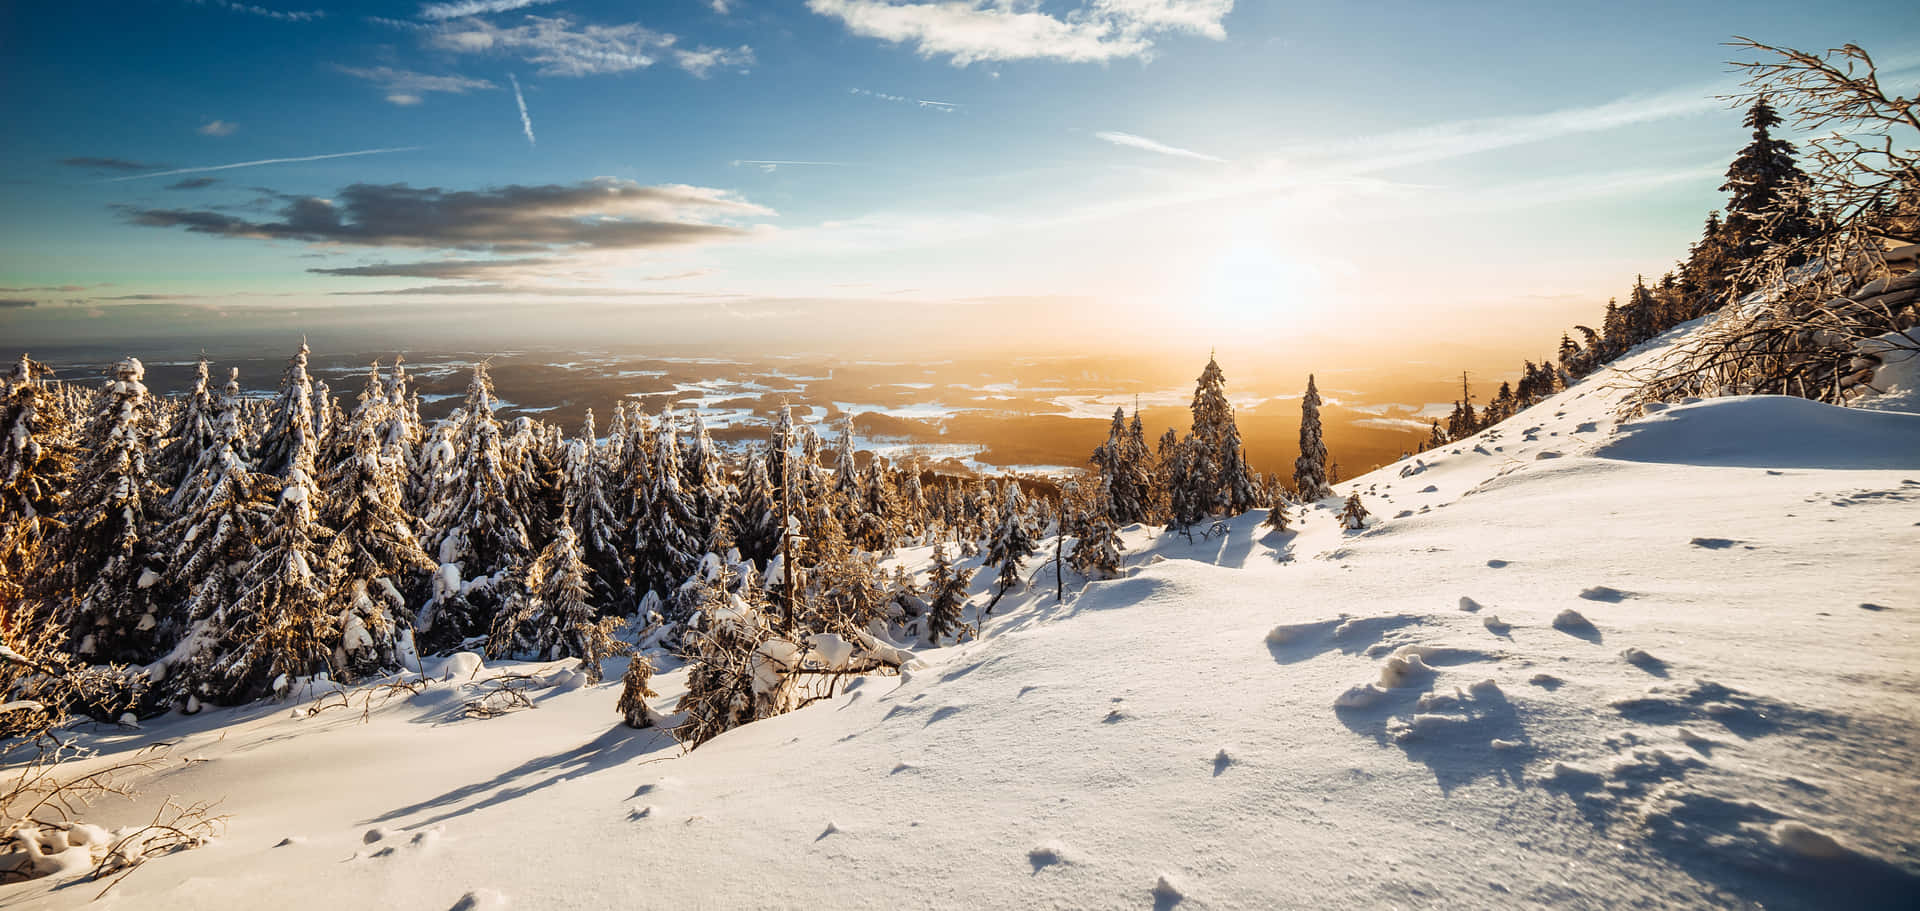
(453, 269)
(769, 165)
(526, 122)
(406, 87)
(218, 128)
(262, 161)
(604, 213)
(556, 46)
(1150, 145)
(263, 12)
(986, 31)
(193, 183)
(436, 12)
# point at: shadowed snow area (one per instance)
(1770, 432)
(1399, 716)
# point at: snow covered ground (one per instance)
(1572, 662)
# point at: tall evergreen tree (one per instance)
(1123, 470)
(593, 520)
(1221, 461)
(108, 549)
(1012, 543)
(555, 617)
(374, 548)
(479, 531)
(192, 432)
(291, 439)
(279, 627)
(1764, 204)
(36, 467)
(665, 548)
(1310, 469)
(223, 511)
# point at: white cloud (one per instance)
(971, 31)
(462, 8)
(405, 87)
(558, 47)
(251, 10)
(217, 128)
(526, 122)
(1148, 145)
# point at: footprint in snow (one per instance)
(1605, 593)
(1167, 893)
(1498, 564)
(480, 900)
(1717, 543)
(1874, 607)
(1468, 604)
(1645, 661)
(1574, 623)
(1046, 855)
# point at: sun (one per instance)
(1252, 284)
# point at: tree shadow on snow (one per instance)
(1280, 544)
(617, 746)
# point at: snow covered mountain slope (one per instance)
(1671, 662)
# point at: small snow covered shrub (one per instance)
(634, 692)
(1354, 515)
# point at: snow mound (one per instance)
(1769, 431)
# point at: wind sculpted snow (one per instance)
(1323, 718)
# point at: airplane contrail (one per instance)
(249, 164)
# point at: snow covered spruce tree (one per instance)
(552, 616)
(756, 513)
(108, 548)
(222, 514)
(947, 596)
(479, 531)
(591, 516)
(1354, 515)
(36, 465)
(1310, 469)
(1122, 461)
(705, 478)
(1277, 512)
(192, 432)
(1011, 544)
(280, 626)
(665, 548)
(1227, 482)
(293, 428)
(374, 550)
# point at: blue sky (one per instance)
(1209, 164)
